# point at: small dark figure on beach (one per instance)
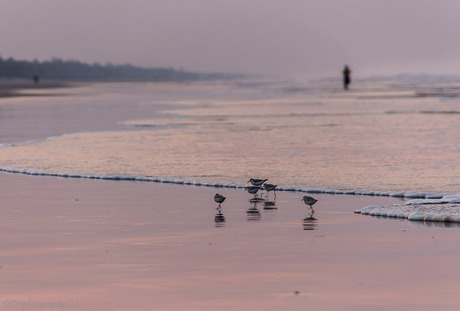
(36, 79)
(309, 201)
(270, 187)
(346, 77)
(219, 198)
(253, 190)
(257, 182)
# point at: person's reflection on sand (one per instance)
(253, 213)
(219, 218)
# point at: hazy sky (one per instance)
(310, 37)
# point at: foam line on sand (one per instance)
(445, 209)
(401, 194)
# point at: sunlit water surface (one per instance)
(381, 135)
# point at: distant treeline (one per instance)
(69, 70)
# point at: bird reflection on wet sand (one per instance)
(219, 218)
(309, 223)
(253, 214)
(268, 205)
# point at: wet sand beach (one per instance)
(111, 245)
(86, 244)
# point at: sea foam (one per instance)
(429, 197)
(444, 209)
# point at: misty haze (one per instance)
(230, 155)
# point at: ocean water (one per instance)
(384, 134)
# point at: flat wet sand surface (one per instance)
(116, 245)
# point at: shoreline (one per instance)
(201, 183)
(16, 87)
(412, 210)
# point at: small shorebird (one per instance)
(219, 198)
(257, 182)
(252, 190)
(309, 200)
(270, 187)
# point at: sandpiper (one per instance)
(219, 198)
(257, 182)
(252, 189)
(309, 200)
(270, 187)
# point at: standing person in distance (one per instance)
(346, 77)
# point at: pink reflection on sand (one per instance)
(143, 246)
